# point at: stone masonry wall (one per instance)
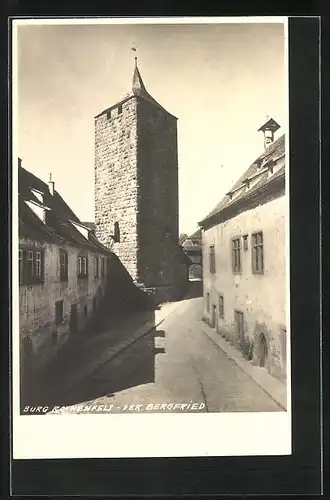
(159, 258)
(116, 181)
(136, 185)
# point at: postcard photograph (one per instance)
(150, 237)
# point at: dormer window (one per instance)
(120, 109)
(38, 194)
(236, 192)
(38, 210)
(82, 229)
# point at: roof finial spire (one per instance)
(50, 177)
(134, 49)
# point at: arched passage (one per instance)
(195, 272)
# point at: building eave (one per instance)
(137, 97)
(259, 196)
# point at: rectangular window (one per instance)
(102, 267)
(208, 303)
(257, 253)
(236, 255)
(120, 109)
(82, 267)
(212, 259)
(96, 267)
(63, 265)
(20, 266)
(58, 312)
(245, 242)
(31, 266)
(221, 307)
(38, 265)
(239, 324)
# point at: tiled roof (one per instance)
(57, 226)
(196, 235)
(274, 151)
(30, 225)
(138, 89)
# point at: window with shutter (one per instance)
(82, 267)
(96, 267)
(236, 255)
(63, 265)
(38, 265)
(212, 259)
(31, 266)
(257, 253)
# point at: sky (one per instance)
(220, 80)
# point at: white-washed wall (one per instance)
(261, 297)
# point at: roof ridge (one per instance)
(273, 148)
(61, 221)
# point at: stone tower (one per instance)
(136, 187)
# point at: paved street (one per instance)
(175, 364)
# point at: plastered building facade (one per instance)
(244, 262)
(62, 271)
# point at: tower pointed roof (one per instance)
(138, 86)
(138, 90)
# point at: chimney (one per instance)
(269, 129)
(51, 185)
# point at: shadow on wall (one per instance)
(194, 290)
(84, 375)
(121, 300)
(121, 295)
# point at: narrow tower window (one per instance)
(116, 231)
